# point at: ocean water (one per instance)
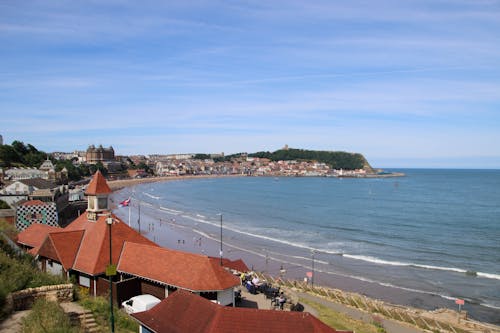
(433, 232)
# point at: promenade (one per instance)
(259, 301)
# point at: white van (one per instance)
(140, 303)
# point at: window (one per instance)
(84, 281)
(102, 203)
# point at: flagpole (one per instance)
(129, 213)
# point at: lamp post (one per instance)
(312, 268)
(110, 274)
(139, 218)
(220, 252)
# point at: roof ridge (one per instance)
(70, 265)
(212, 327)
(77, 255)
(102, 241)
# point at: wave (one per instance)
(202, 219)
(169, 210)
(292, 263)
(151, 196)
(488, 275)
(437, 268)
(491, 306)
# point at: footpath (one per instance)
(259, 301)
(395, 318)
(390, 326)
(77, 314)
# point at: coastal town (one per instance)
(106, 258)
(208, 164)
(70, 231)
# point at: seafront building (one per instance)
(187, 312)
(81, 251)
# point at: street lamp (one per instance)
(312, 268)
(220, 252)
(110, 272)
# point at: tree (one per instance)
(19, 147)
(98, 166)
(4, 205)
(201, 157)
(9, 156)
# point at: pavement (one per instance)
(391, 326)
(13, 323)
(259, 301)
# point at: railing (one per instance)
(426, 320)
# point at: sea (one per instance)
(432, 234)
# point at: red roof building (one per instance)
(82, 249)
(238, 266)
(98, 185)
(178, 270)
(186, 312)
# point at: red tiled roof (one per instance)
(34, 235)
(33, 203)
(238, 265)
(93, 253)
(62, 246)
(184, 270)
(186, 312)
(83, 245)
(98, 185)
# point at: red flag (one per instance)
(125, 203)
(459, 301)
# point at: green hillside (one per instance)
(336, 159)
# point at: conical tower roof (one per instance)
(98, 185)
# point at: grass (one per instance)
(47, 316)
(18, 271)
(341, 321)
(100, 309)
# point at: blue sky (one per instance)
(406, 83)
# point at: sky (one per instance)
(412, 83)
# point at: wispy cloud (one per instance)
(385, 78)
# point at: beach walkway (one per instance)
(390, 326)
(259, 301)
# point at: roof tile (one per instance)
(186, 312)
(175, 268)
(34, 235)
(98, 185)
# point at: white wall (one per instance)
(225, 297)
(54, 268)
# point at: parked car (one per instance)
(140, 303)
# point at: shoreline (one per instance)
(185, 237)
(119, 184)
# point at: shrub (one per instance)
(47, 316)
(100, 309)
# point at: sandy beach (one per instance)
(166, 231)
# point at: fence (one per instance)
(442, 320)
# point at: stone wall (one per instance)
(24, 299)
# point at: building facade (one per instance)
(99, 154)
(36, 211)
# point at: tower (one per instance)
(97, 194)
